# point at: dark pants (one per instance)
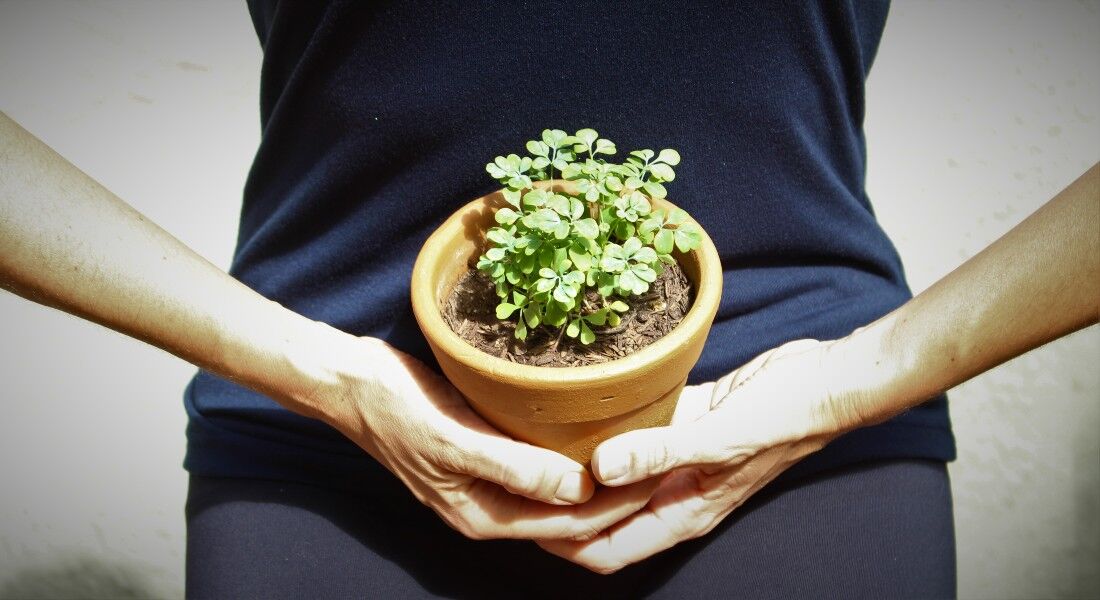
(878, 530)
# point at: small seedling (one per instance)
(550, 247)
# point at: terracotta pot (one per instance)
(570, 410)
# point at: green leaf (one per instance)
(606, 284)
(521, 330)
(574, 328)
(576, 209)
(495, 254)
(547, 273)
(645, 255)
(678, 216)
(505, 310)
(644, 272)
(540, 162)
(527, 264)
(605, 147)
(582, 260)
(654, 189)
(532, 316)
(519, 182)
(559, 204)
(688, 238)
(538, 148)
(506, 216)
(587, 336)
(563, 300)
(663, 171)
(555, 138)
(597, 318)
(663, 241)
(587, 228)
(561, 231)
(670, 156)
(613, 183)
(519, 298)
(544, 285)
(575, 279)
(645, 155)
(614, 319)
(536, 198)
(587, 136)
(629, 282)
(554, 316)
(613, 259)
(631, 246)
(546, 256)
(653, 223)
(512, 197)
(543, 219)
(619, 306)
(624, 229)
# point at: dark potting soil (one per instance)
(470, 312)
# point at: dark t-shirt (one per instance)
(378, 119)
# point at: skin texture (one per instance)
(1038, 282)
(67, 242)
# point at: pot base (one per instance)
(579, 440)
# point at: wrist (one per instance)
(296, 361)
(870, 376)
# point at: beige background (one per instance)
(978, 112)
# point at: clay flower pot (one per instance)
(570, 410)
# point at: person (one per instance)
(321, 441)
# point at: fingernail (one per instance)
(570, 488)
(611, 469)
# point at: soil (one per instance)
(470, 312)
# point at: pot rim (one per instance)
(427, 312)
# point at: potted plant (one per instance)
(567, 248)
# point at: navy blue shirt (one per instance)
(378, 119)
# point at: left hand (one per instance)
(758, 421)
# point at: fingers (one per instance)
(677, 513)
(489, 512)
(645, 453)
(520, 468)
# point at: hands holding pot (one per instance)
(728, 439)
(482, 483)
(663, 485)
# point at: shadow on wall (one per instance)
(82, 577)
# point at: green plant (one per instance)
(554, 244)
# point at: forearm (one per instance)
(67, 242)
(1038, 282)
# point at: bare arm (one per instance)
(1038, 282)
(67, 242)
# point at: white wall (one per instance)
(978, 112)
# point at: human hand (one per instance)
(720, 450)
(481, 482)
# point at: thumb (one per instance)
(523, 469)
(644, 453)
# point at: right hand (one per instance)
(481, 482)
